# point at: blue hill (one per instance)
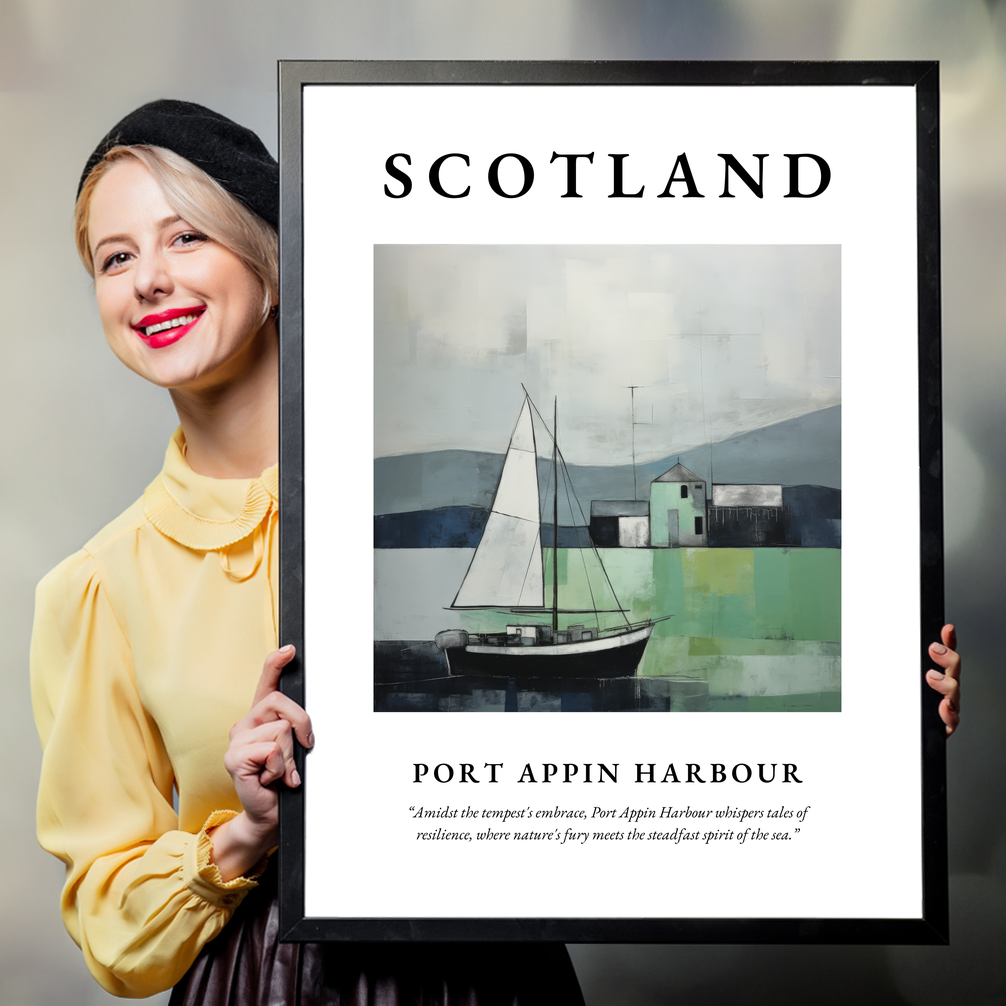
(806, 450)
(455, 527)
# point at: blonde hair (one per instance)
(199, 200)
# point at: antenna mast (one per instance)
(632, 424)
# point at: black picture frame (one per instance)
(931, 926)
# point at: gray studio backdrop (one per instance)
(82, 437)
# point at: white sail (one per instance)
(506, 570)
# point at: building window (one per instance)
(684, 492)
(698, 525)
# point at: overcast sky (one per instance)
(717, 339)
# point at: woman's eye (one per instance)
(114, 261)
(190, 238)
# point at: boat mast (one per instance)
(555, 522)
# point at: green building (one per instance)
(678, 509)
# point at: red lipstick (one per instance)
(165, 324)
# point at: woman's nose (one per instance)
(152, 277)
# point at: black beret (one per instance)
(230, 154)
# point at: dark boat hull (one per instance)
(607, 657)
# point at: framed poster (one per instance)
(611, 398)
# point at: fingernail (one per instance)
(295, 777)
(310, 740)
(938, 648)
(287, 649)
(936, 675)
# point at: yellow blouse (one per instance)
(147, 647)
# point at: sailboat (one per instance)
(507, 572)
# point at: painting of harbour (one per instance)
(607, 479)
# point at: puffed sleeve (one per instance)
(141, 897)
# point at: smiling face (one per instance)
(177, 307)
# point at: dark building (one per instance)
(805, 517)
(620, 523)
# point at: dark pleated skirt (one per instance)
(246, 965)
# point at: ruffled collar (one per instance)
(203, 513)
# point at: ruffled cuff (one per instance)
(203, 878)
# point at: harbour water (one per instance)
(412, 676)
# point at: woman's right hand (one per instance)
(260, 753)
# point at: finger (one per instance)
(949, 636)
(950, 716)
(274, 766)
(271, 671)
(261, 760)
(945, 685)
(276, 706)
(948, 659)
(949, 708)
(278, 732)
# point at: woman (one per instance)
(149, 642)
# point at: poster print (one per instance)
(718, 286)
(694, 493)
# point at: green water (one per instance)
(761, 626)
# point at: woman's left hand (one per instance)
(948, 681)
(259, 756)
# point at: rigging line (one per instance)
(548, 485)
(586, 575)
(541, 418)
(527, 569)
(593, 547)
(537, 489)
(541, 549)
(541, 519)
(579, 507)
